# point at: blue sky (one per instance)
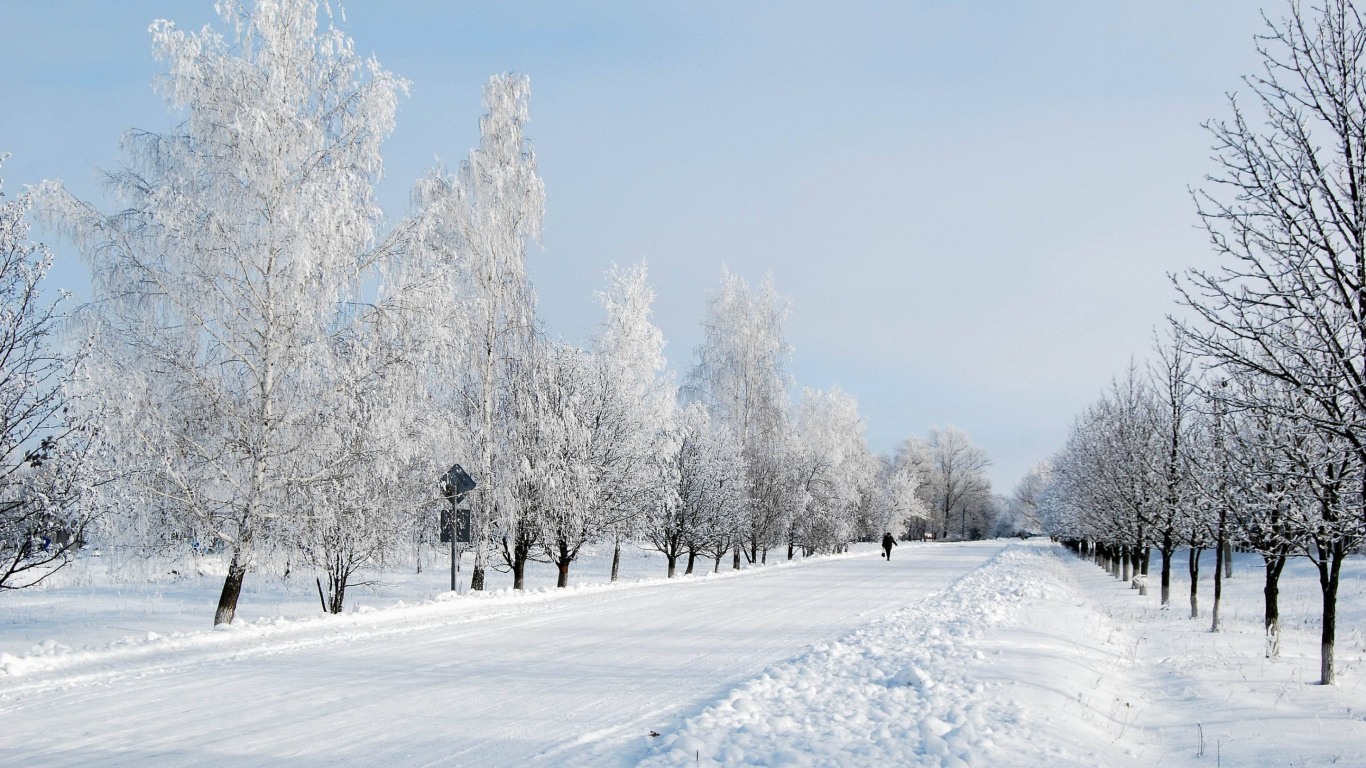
(974, 206)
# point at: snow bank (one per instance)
(907, 690)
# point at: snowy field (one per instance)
(985, 654)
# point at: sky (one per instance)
(973, 206)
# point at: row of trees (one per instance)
(1250, 427)
(270, 368)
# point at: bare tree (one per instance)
(1174, 387)
(43, 517)
(1286, 212)
(957, 479)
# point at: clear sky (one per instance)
(974, 206)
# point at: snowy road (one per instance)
(575, 680)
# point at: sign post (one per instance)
(455, 522)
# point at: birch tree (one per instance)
(741, 374)
(632, 402)
(478, 224)
(239, 237)
(833, 466)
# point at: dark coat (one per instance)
(888, 541)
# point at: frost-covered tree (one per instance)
(1106, 486)
(1174, 387)
(375, 471)
(833, 467)
(1270, 488)
(571, 515)
(741, 374)
(476, 225)
(1024, 507)
(632, 401)
(701, 479)
(957, 484)
(46, 504)
(596, 428)
(893, 500)
(909, 486)
(219, 282)
(1286, 213)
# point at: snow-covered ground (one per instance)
(1038, 659)
(988, 654)
(466, 681)
(104, 599)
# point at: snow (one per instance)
(107, 599)
(980, 654)
(568, 675)
(1038, 659)
(870, 699)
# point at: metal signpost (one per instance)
(455, 522)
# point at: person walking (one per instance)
(888, 541)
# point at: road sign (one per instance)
(455, 523)
(456, 483)
(461, 526)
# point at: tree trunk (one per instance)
(1193, 565)
(736, 561)
(1271, 593)
(563, 581)
(1142, 569)
(477, 578)
(1218, 579)
(232, 589)
(791, 549)
(337, 583)
(616, 560)
(692, 558)
(1125, 561)
(763, 556)
(1167, 568)
(518, 571)
(673, 564)
(1330, 568)
(1228, 560)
